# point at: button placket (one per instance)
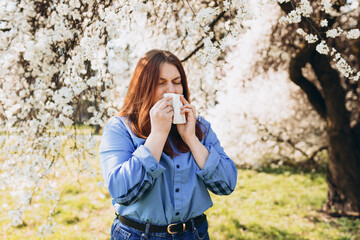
(177, 185)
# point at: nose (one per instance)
(171, 88)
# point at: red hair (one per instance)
(140, 97)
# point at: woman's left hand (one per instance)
(187, 130)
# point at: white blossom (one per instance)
(301, 32)
(333, 33)
(305, 8)
(333, 51)
(293, 17)
(92, 82)
(226, 4)
(355, 77)
(15, 216)
(310, 38)
(322, 48)
(324, 23)
(353, 34)
(205, 15)
(327, 7)
(68, 110)
(45, 229)
(343, 66)
(112, 111)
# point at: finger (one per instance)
(189, 106)
(158, 103)
(183, 100)
(165, 104)
(190, 113)
(194, 111)
(186, 110)
(168, 98)
(168, 109)
(170, 115)
(165, 99)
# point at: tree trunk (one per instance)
(343, 171)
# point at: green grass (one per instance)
(278, 205)
(273, 204)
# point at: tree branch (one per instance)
(332, 89)
(312, 155)
(211, 25)
(193, 52)
(296, 64)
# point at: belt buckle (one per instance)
(174, 224)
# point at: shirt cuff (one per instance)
(211, 164)
(150, 164)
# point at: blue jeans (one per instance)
(119, 231)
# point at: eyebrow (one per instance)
(162, 78)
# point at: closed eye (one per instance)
(175, 80)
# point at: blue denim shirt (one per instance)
(172, 190)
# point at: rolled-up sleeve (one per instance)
(128, 172)
(219, 173)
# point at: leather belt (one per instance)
(172, 228)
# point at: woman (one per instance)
(158, 173)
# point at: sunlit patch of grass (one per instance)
(280, 205)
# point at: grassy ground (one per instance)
(279, 204)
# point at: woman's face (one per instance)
(169, 81)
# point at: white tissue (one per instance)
(176, 104)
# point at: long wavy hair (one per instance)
(140, 97)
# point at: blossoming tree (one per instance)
(321, 39)
(55, 54)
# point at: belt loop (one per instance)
(193, 228)
(147, 228)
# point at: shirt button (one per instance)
(177, 213)
(177, 190)
(177, 166)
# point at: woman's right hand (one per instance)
(161, 116)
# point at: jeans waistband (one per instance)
(171, 228)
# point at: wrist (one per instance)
(155, 143)
(192, 141)
(158, 135)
